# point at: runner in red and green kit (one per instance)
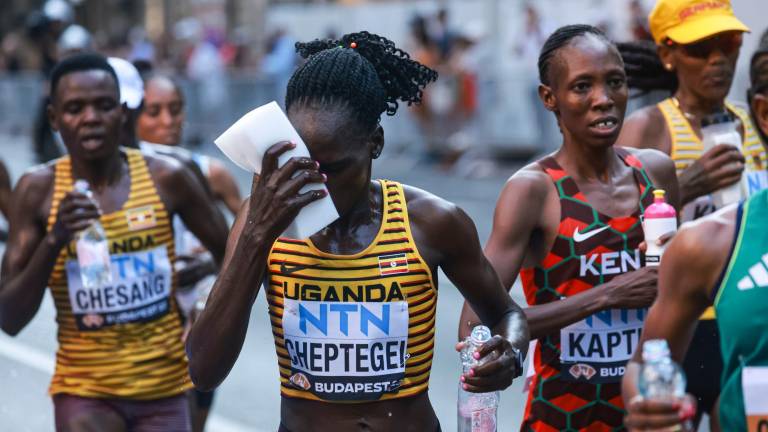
(569, 225)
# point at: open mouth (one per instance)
(92, 142)
(605, 125)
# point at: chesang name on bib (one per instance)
(139, 292)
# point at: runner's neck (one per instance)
(99, 173)
(695, 108)
(588, 163)
(366, 210)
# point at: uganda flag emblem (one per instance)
(393, 264)
(141, 218)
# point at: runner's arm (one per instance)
(219, 332)
(519, 212)
(31, 252)
(466, 266)
(188, 197)
(217, 336)
(690, 269)
(224, 187)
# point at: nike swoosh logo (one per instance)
(579, 237)
(284, 269)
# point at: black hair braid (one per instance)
(560, 38)
(364, 71)
(758, 78)
(645, 71)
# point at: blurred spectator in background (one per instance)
(534, 32)
(639, 21)
(425, 51)
(205, 69)
(442, 34)
(11, 53)
(142, 49)
(75, 39)
(71, 40)
(44, 29)
(279, 62)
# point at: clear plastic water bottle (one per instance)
(661, 379)
(92, 250)
(477, 411)
(720, 128)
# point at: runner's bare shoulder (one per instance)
(34, 189)
(657, 164)
(171, 176)
(439, 226)
(645, 128)
(530, 186)
(425, 208)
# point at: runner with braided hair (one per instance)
(352, 307)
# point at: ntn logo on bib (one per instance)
(347, 351)
(139, 292)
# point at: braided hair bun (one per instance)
(644, 69)
(365, 72)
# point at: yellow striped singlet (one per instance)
(121, 340)
(687, 148)
(354, 328)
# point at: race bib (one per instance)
(597, 348)
(755, 181)
(698, 208)
(754, 383)
(346, 351)
(139, 291)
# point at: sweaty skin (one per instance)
(704, 84)
(444, 235)
(86, 112)
(589, 85)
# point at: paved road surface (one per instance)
(249, 398)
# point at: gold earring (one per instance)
(668, 67)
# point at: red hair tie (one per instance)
(353, 45)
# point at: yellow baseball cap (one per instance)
(687, 21)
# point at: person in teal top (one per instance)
(721, 259)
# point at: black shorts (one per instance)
(703, 365)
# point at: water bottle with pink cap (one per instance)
(659, 219)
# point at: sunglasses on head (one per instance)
(727, 43)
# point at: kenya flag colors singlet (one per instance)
(577, 371)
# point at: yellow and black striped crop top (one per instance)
(121, 340)
(687, 148)
(354, 328)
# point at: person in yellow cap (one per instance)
(697, 44)
(718, 260)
